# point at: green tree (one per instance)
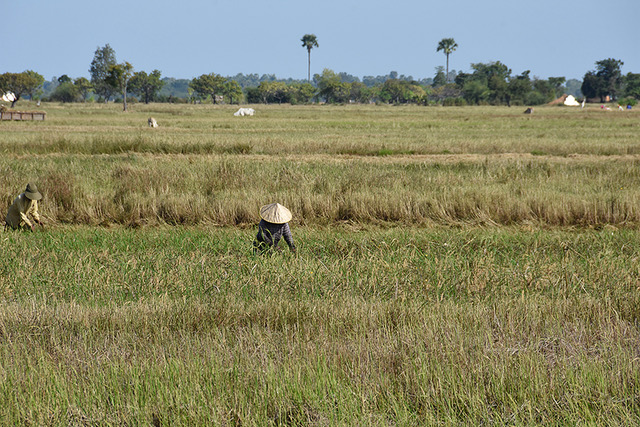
(146, 86)
(64, 79)
(118, 77)
(331, 87)
(253, 95)
(492, 76)
(556, 83)
(103, 59)
(208, 84)
(25, 83)
(462, 78)
(449, 94)
(609, 70)
(232, 91)
(448, 46)
(593, 86)
(475, 91)
(484, 71)
(309, 41)
(632, 85)
(301, 93)
(273, 92)
(359, 92)
(83, 86)
(440, 79)
(519, 87)
(544, 91)
(498, 90)
(65, 92)
(401, 92)
(37, 82)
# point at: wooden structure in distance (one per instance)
(22, 115)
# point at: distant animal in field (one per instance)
(245, 112)
(152, 122)
(528, 110)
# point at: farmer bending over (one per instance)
(25, 204)
(273, 226)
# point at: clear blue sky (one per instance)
(192, 37)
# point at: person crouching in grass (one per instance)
(24, 205)
(272, 227)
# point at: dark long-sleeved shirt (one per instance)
(270, 234)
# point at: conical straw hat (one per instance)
(275, 213)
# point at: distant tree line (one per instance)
(490, 83)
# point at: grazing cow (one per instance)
(244, 112)
(152, 122)
(529, 110)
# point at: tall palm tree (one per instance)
(448, 46)
(309, 41)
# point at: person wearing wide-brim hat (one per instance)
(24, 205)
(272, 227)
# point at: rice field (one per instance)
(455, 266)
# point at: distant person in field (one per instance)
(25, 205)
(272, 227)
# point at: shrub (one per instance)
(536, 98)
(448, 102)
(628, 101)
(454, 102)
(66, 92)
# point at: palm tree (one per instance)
(309, 41)
(448, 46)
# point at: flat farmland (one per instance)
(462, 265)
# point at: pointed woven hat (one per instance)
(275, 213)
(32, 192)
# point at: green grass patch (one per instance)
(188, 326)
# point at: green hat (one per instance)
(32, 192)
